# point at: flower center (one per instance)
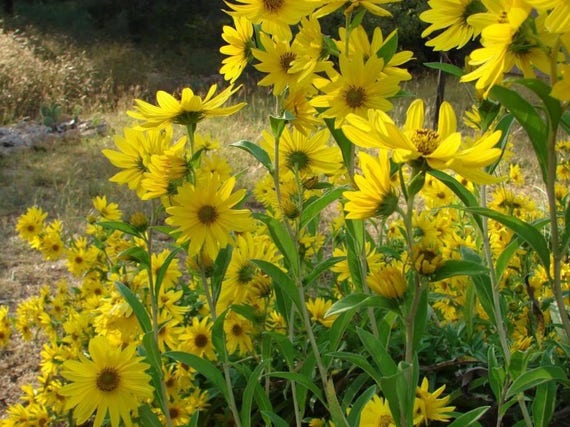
(246, 273)
(297, 160)
(108, 379)
(201, 341)
(286, 59)
(237, 330)
(273, 6)
(355, 96)
(425, 140)
(385, 421)
(207, 214)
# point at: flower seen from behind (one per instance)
(189, 110)
(112, 381)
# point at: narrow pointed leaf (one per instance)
(316, 206)
(358, 405)
(535, 377)
(448, 68)
(457, 267)
(281, 280)
(136, 305)
(469, 418)
(163, 269)
(256, 151)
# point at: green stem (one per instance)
(155, 325)
(298, 418)
(225, 363)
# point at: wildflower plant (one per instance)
(385, 264)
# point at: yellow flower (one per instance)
(204, 215)
(135, 149)
(31, 223)
(238, 331)
(388, 281)
(240, 42)
(189, 110)
(108, 211)
(374, 196)
(376, 413)
(275, 16)
(113, 381)
(276, 61)
(436, 149)
(197, 338)
(429, 407)
(307, 154)
(5, 327)
(360, 86)
(452, 17)
(318, 307)
(371, 6)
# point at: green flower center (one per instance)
(355, 96)
(246, 273)
(273, 6)
(298, 160)
(201, 340)
(207, 214)
(285, 60)
(425, 140)
(108, 379)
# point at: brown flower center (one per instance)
(237, 330)
(108, 379)
(425, 140)
(207, 214)
(355, 97)
(286, 59)
(273, 6)
(201, 341)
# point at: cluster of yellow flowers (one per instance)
(133, 335)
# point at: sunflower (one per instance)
(360, 86)
(197, 338)
(429, 407)
(31, 223)
(374, 196)
(305, 115)
(204, 215)
(318, 308)
(276, 61)
(423, 147)
(240, 42)
(558, 19)
(238, 331)
(275, 16)
(452, 16)
(371, 6)
(108, 211)
(113, 381)
(135, 149)
(376, 413)
(189, 110)
(307, 154)
(5, 327)
(388, 281)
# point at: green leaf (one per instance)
(504, 126)
(256, 151)
(345, 145)
(460, 191)
(420, 320)
(316, 206)
(281, 280)
(136, 305)
(218, 334)
(389, 48)
(300, 380)
(360, 300)
(457, 267)
(359, 361)
(543, 404)
(137, 254)
(248, 393)
(120, 226)
(469, 418)
(204, 367)
(380, 355)
(163, 269)
(524, 230)
(483, 286)
(496, 374)
(447, 68)
(488, 110)
(565, 121)
(354, 252)
(278, 123)
(285, 347)
(504, 258)
(148, 417)
(535, 377)
(282, 240)
(338, 328)
(152, 353)
(219, 270)
(553, 106)
(320, 268)
(276, 419)
(358, 405)
(528, 118)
